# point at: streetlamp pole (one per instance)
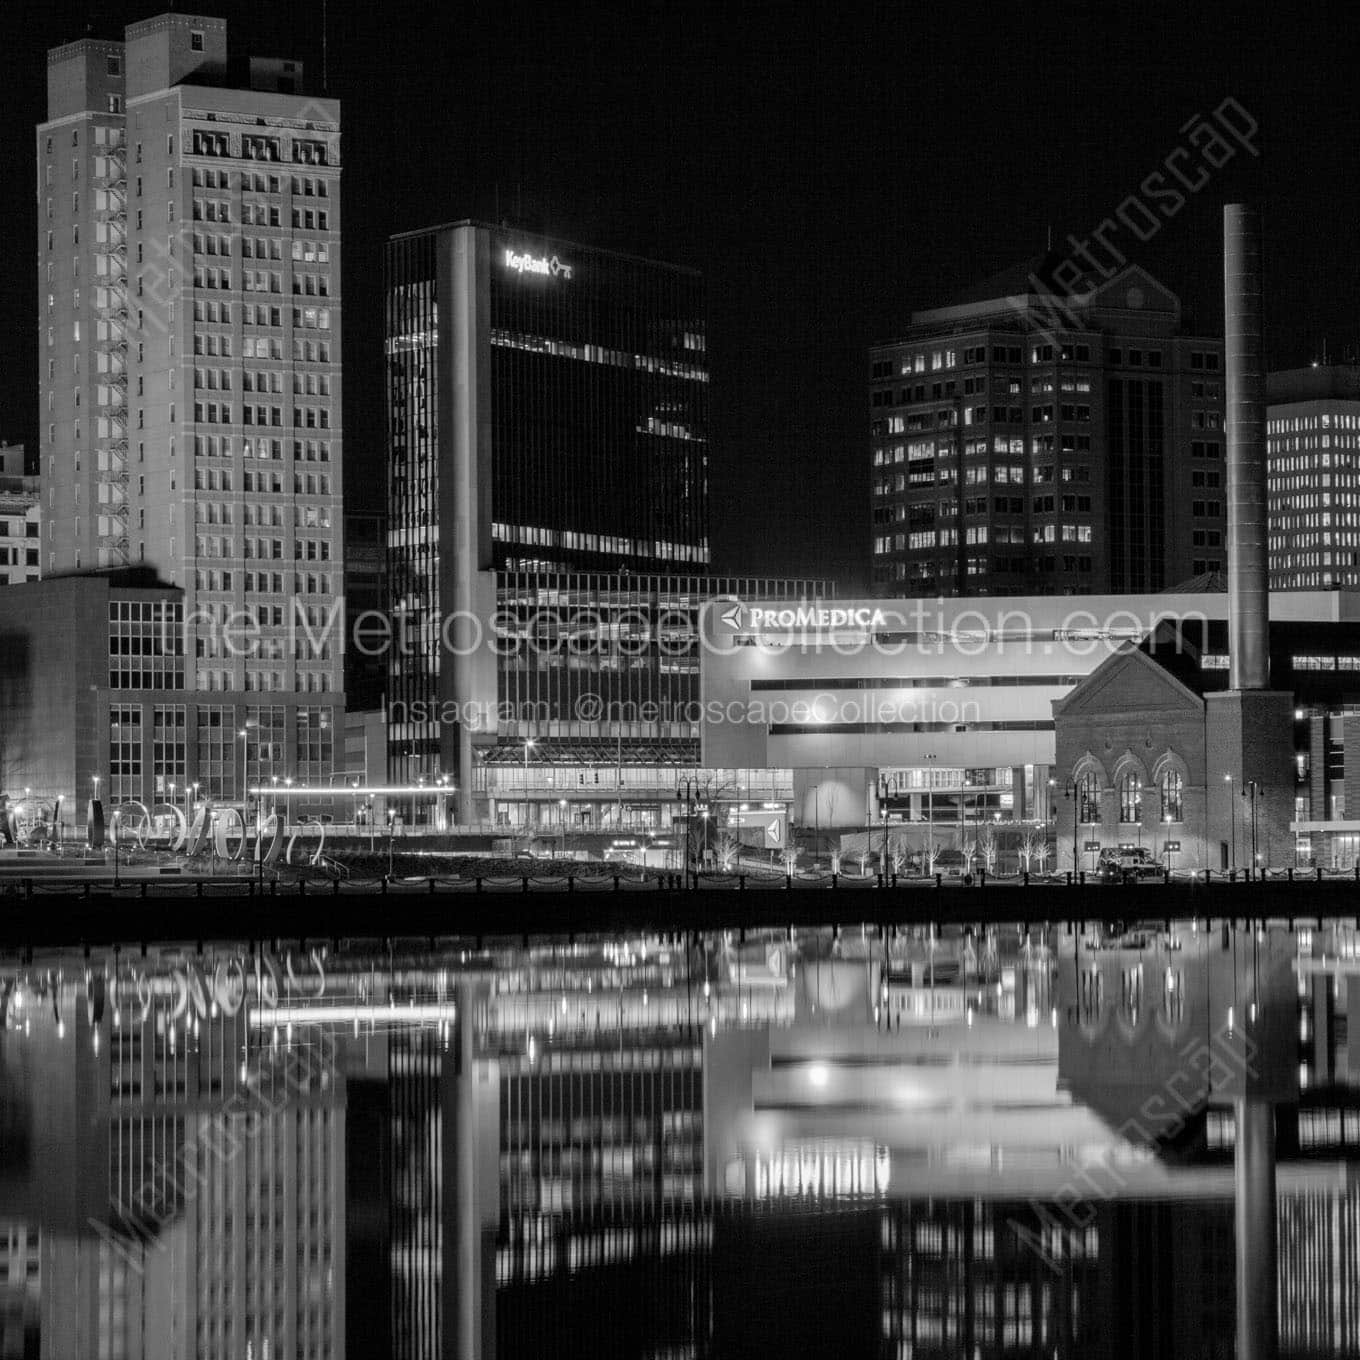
(1051, 820)
(883, 810)
(1070, 791)
(391, 813)
(1232, 819)
(116, 818)
(528, 746)
(1252, 790)
(687, 791)
(245, 774)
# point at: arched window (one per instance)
(1130, 798)
(1088, 798)
(1173, 797)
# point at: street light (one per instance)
(1051, 819)
(1251, 789)
(117, 816)
(562, 823)
(929, 847)
(687, 792)
(883, 810)
(1232, 819)
(528, 746)
(1166, 837)
(245, 770)
(1070, 791)
(391, 814)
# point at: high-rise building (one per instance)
(547, 411)
(189, 336)
(1031, 442)
(1313, 447)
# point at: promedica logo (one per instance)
(819, 617)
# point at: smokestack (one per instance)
(1248, 579)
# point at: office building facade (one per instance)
(189, 358)
(92, 696)
(365, 601)
(598, 684)
(1026, 442)
(1313, 448)
(20, 519)
(547, 412)
(932, 721)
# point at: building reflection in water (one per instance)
(854, 1143)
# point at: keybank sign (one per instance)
(805, 616)
(524, 263)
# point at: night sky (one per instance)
(829, 167)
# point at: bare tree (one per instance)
(728, 846)
(932, 854)
(1034, 846)
(986, 845)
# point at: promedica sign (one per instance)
(818, 617)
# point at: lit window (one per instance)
(1130, 798)
(1173, 797)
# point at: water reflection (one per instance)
(866, 1142)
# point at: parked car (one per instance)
(1129, 865)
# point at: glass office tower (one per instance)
(547, 412)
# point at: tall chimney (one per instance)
(1248, 578)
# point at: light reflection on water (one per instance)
(855, 1142)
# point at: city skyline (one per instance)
(903, 461)
(802, 169)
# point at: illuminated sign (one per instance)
(818, 617)
(771, 824)
(524, 263)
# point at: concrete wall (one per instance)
(49, 677)
(1250, 735)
